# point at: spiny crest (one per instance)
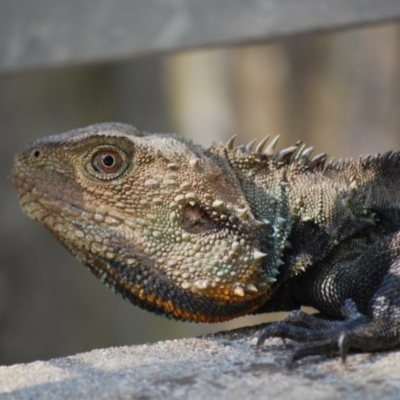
(298, 154)
(368, 161)
(295, 154)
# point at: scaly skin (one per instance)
(210, 235)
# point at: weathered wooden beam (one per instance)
(41, 34)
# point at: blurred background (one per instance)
(339, 92)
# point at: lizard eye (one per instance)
(107, 161)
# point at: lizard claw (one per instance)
(324, 337)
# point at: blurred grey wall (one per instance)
(338, 92)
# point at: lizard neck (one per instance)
(265, 185)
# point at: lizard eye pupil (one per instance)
(107, 162)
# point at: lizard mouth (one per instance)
(45, 206)
(156, 293)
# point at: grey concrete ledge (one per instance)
(222, 366)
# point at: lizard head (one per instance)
(161, 221)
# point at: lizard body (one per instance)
(210, 235)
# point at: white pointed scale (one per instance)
(301, 148)
(257, 255)
(286, 154)
(261, 145)
(259, 224)
(304, 155)
(218, 204)
(250, 145)
(317, 160)
(242, 212)
(230, 142)
(271, 147)
(238, 291)
(251, 288)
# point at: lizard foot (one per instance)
(325, 337)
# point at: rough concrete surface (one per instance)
(223, 366)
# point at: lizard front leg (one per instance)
(376, 327)
(320, 336)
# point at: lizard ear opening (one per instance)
(196, 220)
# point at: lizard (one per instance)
(207, 235)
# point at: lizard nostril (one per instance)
(36, 153)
